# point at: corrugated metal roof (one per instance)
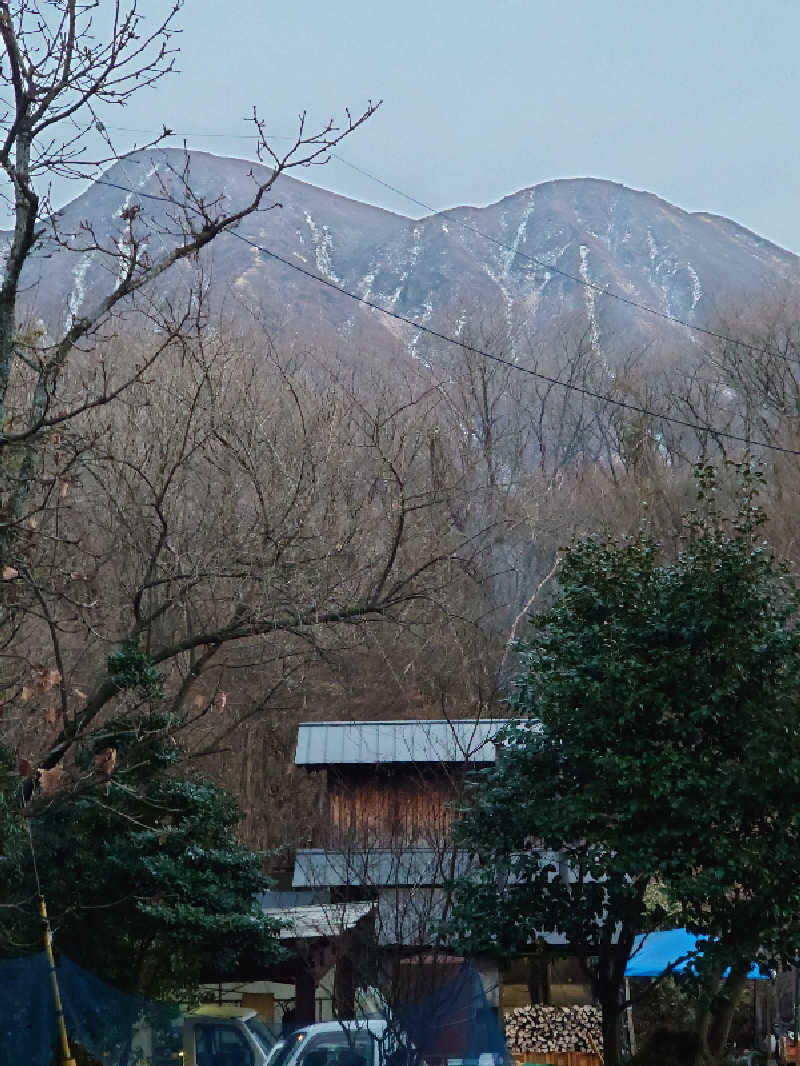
(317, 868)
(328, 920)
(337, 743)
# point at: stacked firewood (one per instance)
(540, 1028)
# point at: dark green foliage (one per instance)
(665, 1004)
(146, 884)
(669, 1047)
(131, 668)
(13, 837)
(659, 745)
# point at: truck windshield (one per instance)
(264, 1038)
(283, 1049)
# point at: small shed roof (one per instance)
(468, 740)
(326, 920)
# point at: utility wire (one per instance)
(601, 290)
(697, 427)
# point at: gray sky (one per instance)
(696, 100)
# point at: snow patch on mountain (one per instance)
(652, 246)
(365, 285)
(323, 249)
(427, 311)
(78, 291)
(244, 279)
(697, 288)
(589, 295)
(534, 297)
(521, 234)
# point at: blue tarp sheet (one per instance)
(655, 952)
(27, 1016)
(99, 1017)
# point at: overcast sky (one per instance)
(696, 100)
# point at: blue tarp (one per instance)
(655, 952)
(99, 1018)
(454, 1021)
(27, 1015)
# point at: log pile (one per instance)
(540, 1028)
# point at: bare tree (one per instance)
(220, 541)
(70, 400)
(64, 64)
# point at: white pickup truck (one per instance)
(365, 1042)
(343, 1043)
(225, 1036)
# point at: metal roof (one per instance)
(468, 740)
(317, 868)
(327, 920)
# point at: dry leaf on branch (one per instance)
(105, 761)
(47, 679)
(51, 780)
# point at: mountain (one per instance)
(521, 261)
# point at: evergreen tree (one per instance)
(658, 745)
(145, 881)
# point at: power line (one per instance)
(421, 327)
(601, 290)
(696, 426)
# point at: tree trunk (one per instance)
(612, 1027)
(539, 978)
(702, 1027)
(344, 987)
(705, 1013)
(730, 993)
(608, 985)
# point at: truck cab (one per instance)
(342, 1043)
(225, 1036)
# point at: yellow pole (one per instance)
(66, 1054)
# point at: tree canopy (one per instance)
(146, 884)
(657, 746)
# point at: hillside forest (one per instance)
(289, 532)
(215, 524)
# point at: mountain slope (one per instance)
(498, 264)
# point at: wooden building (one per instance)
(391, 792)
(393, 783)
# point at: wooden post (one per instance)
(66, 1054)
(305, 989)
(629, 1018)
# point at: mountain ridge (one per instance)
(533, 260)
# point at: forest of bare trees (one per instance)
(248, 529)
(284, 533)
